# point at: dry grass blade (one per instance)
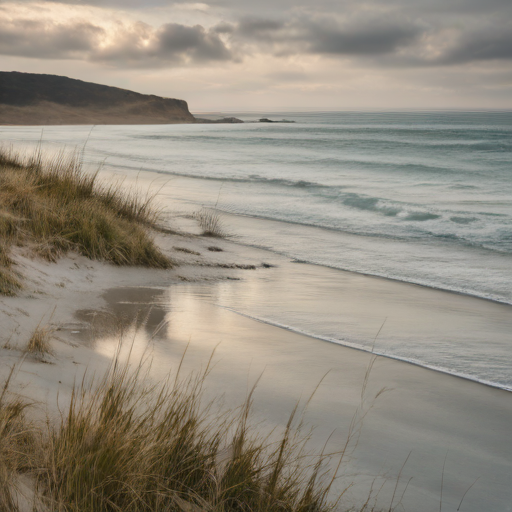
(9, 282)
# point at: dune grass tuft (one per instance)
(123, 444)
(53, 206)
(9, 282)
(210, 222)
(16, 446)
(39, 342)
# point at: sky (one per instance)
(269, 55)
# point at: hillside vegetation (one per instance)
(38, 99)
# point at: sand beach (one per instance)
(424, 417)
(390, 307)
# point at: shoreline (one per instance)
(234, 219)
(210, 304)
(428, 410)
(172, 175)
(419, 364)
(225, 268)
(291, 362)
(393, 279)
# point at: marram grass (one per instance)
(16, 446)
(52, 206)
(210, 222)
(132, 447)
(125, 445)
(39, 342)
(9, 281)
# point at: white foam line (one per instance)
(344, 343)
(383, 275)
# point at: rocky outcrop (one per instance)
(224, 120)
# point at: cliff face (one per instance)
(34, 99)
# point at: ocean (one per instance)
(418, 197)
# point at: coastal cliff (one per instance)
(38, 99)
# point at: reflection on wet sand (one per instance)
(424, 413)
(136, 308)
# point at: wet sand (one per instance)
(425, 417)
(430, 415)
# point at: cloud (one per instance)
(288, 76)
(197, 42)
(123, 45)
(385, 35)
(354, 35)
(47, 40)
(389, 39)
(366, 37)
(260, 27)
(495, 43)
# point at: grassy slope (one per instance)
(52, 206)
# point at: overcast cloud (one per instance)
(137, 45)
(282, 42)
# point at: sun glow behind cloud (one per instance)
(235, 56)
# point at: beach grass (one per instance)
(39, 342)
(50, 205)
(16, 446)
(126, 445)
(210, 222)
(9, 281)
